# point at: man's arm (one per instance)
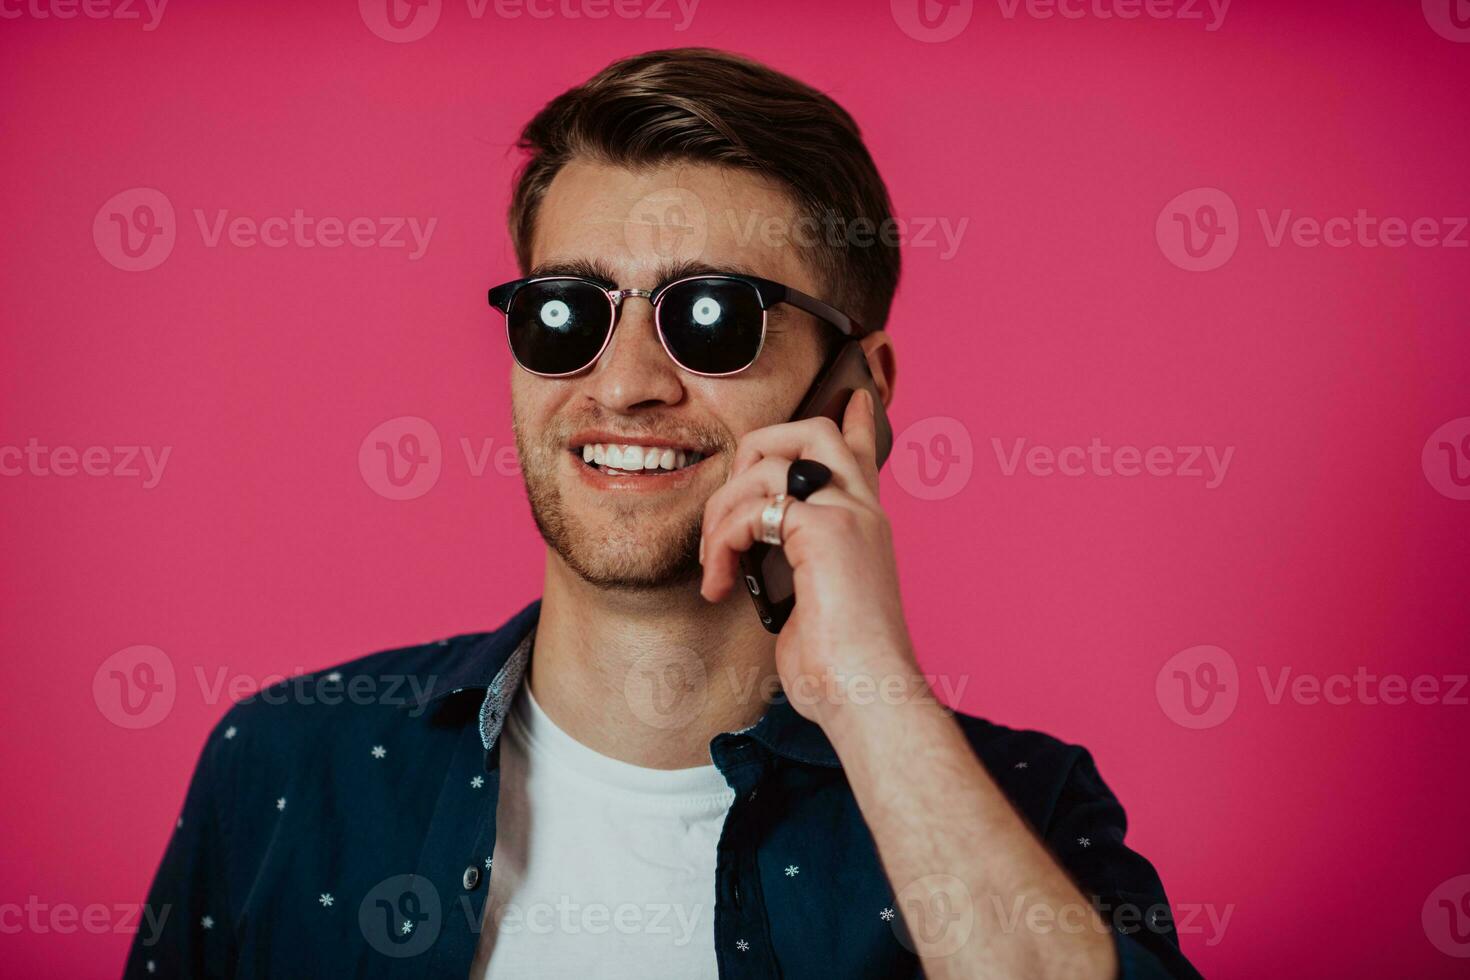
(949, 839)
(981, 895)
(968, 873)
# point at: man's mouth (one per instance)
(624, 459)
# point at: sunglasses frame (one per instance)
(768, 294)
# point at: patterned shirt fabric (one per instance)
(342, 824)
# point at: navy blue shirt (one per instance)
(341, 824)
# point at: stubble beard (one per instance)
(636, 551)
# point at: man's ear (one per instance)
(878, 347)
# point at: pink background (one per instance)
(1058, 601)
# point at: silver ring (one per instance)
(772, 518)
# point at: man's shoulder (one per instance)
(325, 703)
(1020, 754)
(379, 689)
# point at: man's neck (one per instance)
(648, 677)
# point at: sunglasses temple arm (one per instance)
(821, 311)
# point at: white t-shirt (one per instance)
(601, 868)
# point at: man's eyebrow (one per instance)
(583, 268)
(597, 269)
(669, 271)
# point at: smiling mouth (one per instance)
(622, 459)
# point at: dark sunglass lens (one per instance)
(558, 326)
(712, 326)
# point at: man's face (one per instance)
(641, 229)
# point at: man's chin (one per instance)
(624, 558)
(632, 577)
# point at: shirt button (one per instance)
(471, 878)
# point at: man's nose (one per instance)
(635, 371)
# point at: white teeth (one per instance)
(629, 458)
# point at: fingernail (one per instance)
(872, 407)
(701, 549)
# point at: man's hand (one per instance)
(848, 621)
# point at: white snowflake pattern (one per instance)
(379, 751)
(152, 966)
(792, 871)
(207, 922)
(742, 945)
(489, 863)
(180, 823)
(886, 915)
(334, 676)
(281, 803)
(231, 732)
(1084, 841)
(477, 782)
(1023, 765)
(407, 926)
(326, 899)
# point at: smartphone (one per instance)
(768, 575)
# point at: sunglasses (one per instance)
(712, 325)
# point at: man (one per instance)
(632, 777)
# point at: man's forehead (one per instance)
(651, 225)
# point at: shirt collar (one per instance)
(496, 665)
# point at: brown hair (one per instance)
(703, 105)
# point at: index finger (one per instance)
(817, 439)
